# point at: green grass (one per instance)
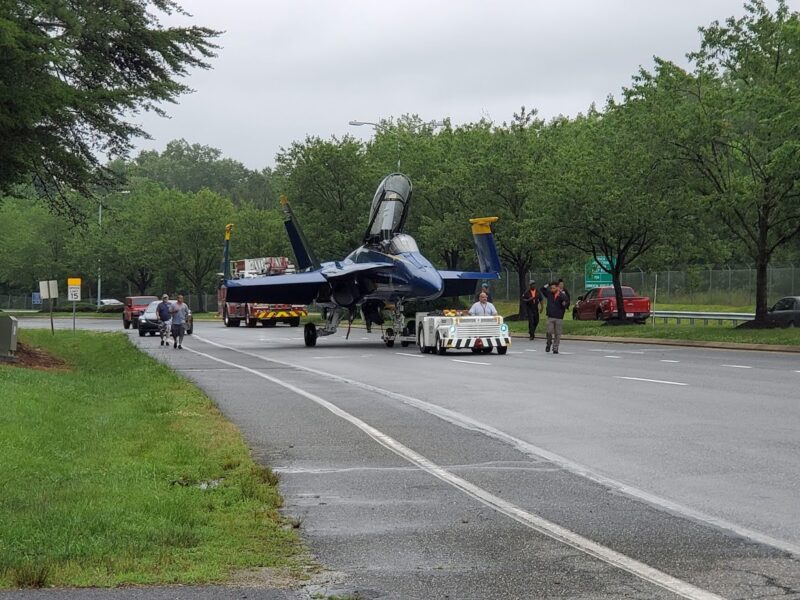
(709, 333)
(101, 470)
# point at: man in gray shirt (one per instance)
(180, 313)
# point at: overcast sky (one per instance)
(306, 67)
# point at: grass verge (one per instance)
(117, 471)
(670, 331)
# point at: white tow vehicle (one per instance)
(450, 330)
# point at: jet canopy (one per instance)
(389, 209)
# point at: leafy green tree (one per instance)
(191, 239)
(328, 185)
(505, 175)
(607, 195)
(128, 242)
(733, 123)
(71, 74)
(34, 244)
(192, 167)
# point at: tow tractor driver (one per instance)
(483, 307)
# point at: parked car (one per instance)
(601, 304)
(785, 312)
(148, 320)
(134, 306)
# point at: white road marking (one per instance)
(320, 357)
(409, 354)
(633, 351)
(515, 352)
(610, 356)
(529, 350)
(533, 521)
(469, 362)
(562, 352)
(670, 361)
(650, 380)
(736, 366)
(470, 424)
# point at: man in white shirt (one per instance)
(483, 307)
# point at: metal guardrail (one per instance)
(719, 317)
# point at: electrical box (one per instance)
(8, 337)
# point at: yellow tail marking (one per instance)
(482, 225)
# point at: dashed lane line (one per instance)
(670, 361)
(737, 366)
(611, 356)
(650, 380)
(530, 520)
(409, 354)
(470, 424)
(469, 362)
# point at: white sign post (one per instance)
(73, 295)
(49, 291)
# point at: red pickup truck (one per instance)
(601, 304)
(134, 306)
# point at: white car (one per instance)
(110, 302)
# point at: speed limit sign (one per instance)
(74, 289)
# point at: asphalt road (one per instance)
(608, 471)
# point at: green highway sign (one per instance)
(594, 276)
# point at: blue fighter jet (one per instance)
(385, 272)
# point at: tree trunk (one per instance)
(761, 289)
(616, 278)
(522, 281)
(762, 262)
(201, 300)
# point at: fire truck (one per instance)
(233, 313)
(269, 315)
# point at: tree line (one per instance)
(684, 166)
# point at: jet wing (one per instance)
(295, 288)
(463, 283)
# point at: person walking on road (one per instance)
(483, 307)
(533, 306)
(484, 290)
(180, 314)
(557, 305)
(164, 317)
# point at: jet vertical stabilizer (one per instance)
(485, 247)
(303, 255)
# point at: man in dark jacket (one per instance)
(557, 305)
(533, 305)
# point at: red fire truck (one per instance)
(233, 313)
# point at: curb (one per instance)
(686, 343)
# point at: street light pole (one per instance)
(379, 127)
(99, 273)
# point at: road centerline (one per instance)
(530, 520)
(650, 380)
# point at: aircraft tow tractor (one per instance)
(440, 331)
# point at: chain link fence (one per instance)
(696, 285)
